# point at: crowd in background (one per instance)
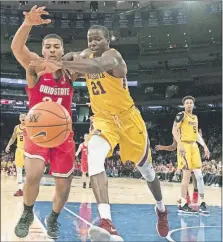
(164, 162)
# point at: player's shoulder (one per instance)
(179, 117)
(112, 53)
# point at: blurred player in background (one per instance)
(83, 148)
(173, 147)
(18, 135)
(185, 132)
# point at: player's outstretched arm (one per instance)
(79, 150)
(11, 141)
(18, 45)
(167, 148)
(110, 60)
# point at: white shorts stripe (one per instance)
(34, 156)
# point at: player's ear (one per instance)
(62, 51)
(108, 40)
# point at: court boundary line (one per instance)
(42, 227)
(168, 237)
(77, 216)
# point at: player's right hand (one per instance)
(33, 17)
(7, 149)
(182, 151)
(159, 147)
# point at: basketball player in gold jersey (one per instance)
(173, 147)
(116, 121)
(185, 132)
(19, 154)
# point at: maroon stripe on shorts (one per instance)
(144, 159)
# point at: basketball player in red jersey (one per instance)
(55, 87)
(84, 162)
(116, 121)
(173, 147)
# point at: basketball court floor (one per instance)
(132, 208)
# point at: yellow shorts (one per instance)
(19, 157)
(192, 157)
(129, 131)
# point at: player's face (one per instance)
(52, 49)
(85, 137)
(188, 105)
(22, 118)
(97, 42)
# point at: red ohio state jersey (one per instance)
(49, 89)
(84, 152)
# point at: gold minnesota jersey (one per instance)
(20, 137)
(108, 94)
(188, 125)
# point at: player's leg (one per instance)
(34, 168)
(195, 192)
(134, 146)
(196, 161)
(84, 177)
(99, 146)
(35, 158)
(62, 166)
(19, 162)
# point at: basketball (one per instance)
(48, 124)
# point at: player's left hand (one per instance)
(49, 66)
(206, 152)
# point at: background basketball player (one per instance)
(173, 147)
(185, 132)
(116, 120)
(83, 148)
(62, 157)
(19, 153)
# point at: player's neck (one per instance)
(85, 143)
(189, 112)
(22, 126)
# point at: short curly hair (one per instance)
(188, 97)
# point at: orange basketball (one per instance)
(48, 124)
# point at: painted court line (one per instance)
(77, 216)
(168, 237)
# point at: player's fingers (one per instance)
(44, 12)
(40, 9)
(33, 8)
(25, 13)
(46, 21)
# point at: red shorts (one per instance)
(61, 158)
(84, 165)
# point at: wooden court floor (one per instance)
(121, 190)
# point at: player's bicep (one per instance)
(25, 56)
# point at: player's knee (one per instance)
(147, 171)
(198, 174)
(98, 149)
(186, 177)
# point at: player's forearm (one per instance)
(200, 140)
(20, 38)
(176, 135)
(90, 66)
(169, 148)
(11, 141)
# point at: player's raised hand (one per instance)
(33, 17)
